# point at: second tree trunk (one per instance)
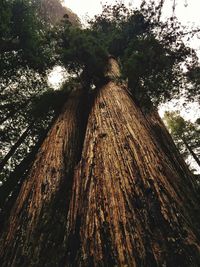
(128, 206)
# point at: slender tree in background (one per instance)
(108, 186)
(185, 134)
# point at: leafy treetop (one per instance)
(152, 53)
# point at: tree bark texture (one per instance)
(167, 145)
(34, 234)
(128, 206)
(11, 186)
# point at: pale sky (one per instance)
(186, 10)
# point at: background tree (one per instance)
(185, 135)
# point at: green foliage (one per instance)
(149, 67)
(5, 15)
(23, 37)
(152, 53)
(83, 54)
(175, 123)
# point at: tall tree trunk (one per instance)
(34, 234)
(128, 205)
(191, 151)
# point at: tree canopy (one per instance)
(151, 52)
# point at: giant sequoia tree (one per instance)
(108, 186)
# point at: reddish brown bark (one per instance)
(131, 204)
(34, 234)
(166, 144)
(128, 206)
